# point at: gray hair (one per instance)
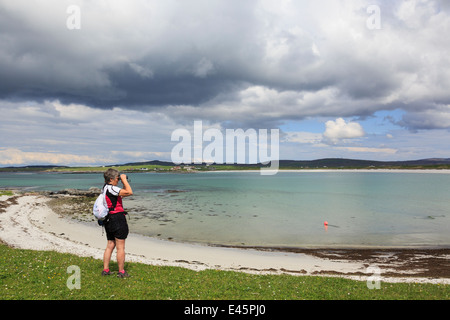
(110, 174)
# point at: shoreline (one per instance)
(375, 170)
(27, 222)
(255, 170)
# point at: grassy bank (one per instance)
(26, 274)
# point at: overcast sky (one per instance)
(361, 79)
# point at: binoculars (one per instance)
(128, 179)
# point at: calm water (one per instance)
(288, 209)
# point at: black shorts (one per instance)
(116, 227)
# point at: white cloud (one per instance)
(55, 133)
(368, 150)
(144, 72)
(12, 156)
(303, 137)
(340, 130)
(203, 68)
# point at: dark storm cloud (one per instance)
(237, 61)
(103, 65)
(166, 88)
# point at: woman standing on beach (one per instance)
(116, 226)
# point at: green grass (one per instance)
(6, 193)
(136, 168)
(151, 168)
(26, 275)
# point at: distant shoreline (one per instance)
(256, 170)
(446, 171)
(282, 165)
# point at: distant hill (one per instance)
(345, 163)
(327, 162)
(284, 164)
(32, 168)
(148, 163)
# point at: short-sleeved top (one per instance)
(113, 199)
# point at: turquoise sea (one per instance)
(387, 209)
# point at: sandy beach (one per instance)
(27, 222)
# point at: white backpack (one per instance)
(100, 209)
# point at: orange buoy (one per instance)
(325, 223)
